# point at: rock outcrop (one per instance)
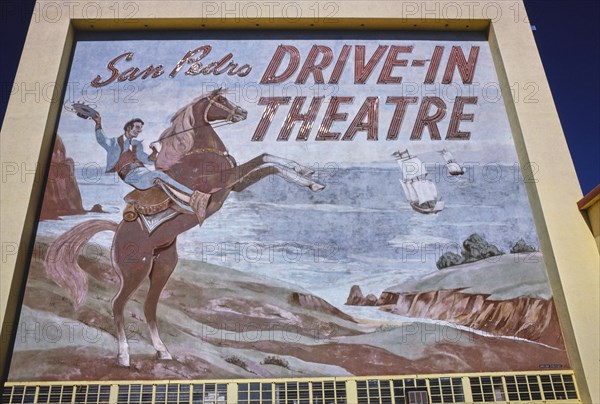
(521, 246)
(62, 196)
(449, 259)
(97, 208)
(356, 298)
(477, 248)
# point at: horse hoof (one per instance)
(123, 361)
(316, 187)
(164, 355)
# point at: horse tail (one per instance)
(61, 258)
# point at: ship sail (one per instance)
(453, 167)
(409, 191)
(426, 191)
(412, 168)
(420, 192)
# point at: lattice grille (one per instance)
(523, 388)
(442, 389)
(558, 387)
(320, 392)
(374, 392)
(255, 393)
(49, 394)
(446, 390)
(19, 394)
(173, 393)
(91, 393)
(329, 392)
(292, 393)
(410, 391)
(487, 389)
(55, 394)
(136, 394)
(209, 393)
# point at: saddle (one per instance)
(148, 202)
(155, 200)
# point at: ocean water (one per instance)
(359, 230)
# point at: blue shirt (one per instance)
(113, 149)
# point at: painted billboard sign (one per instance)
(284, 204)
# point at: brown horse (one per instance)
(194, 155)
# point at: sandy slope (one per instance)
(209, 314)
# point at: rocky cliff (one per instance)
(507, 295)
(62, 196)
(524, 317)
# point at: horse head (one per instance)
(217, 108)
(191, 126)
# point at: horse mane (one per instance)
(178, 139)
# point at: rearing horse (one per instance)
(194, 155)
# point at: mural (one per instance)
(264, 205)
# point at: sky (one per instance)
(566, 33)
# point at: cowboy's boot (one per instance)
(198, 203)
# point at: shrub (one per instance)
(276, 360)
(236, 360)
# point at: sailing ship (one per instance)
(420, 192)
(453, 167)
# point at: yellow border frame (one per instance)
(569, 248)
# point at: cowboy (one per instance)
(126, 157)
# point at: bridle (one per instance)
(230, 112)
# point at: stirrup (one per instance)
(198, 203)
